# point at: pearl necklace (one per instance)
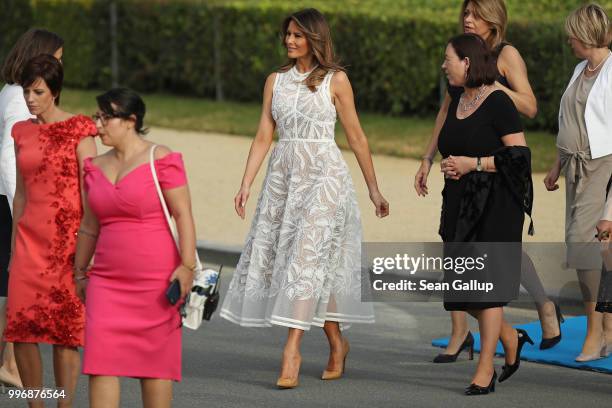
(466, 106)
(598, 65)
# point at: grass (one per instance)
(393, 136)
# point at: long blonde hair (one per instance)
(493, 12)
(316, 30)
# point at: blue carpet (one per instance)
(562, 354)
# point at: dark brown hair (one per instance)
(126, 103)
(32, 43)
(316, 30)
(482, 69)
(47, 68)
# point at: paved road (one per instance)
(389, 366)
(215, 164)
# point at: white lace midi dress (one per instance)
(301, 260)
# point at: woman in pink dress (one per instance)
(42, 305)
(131, 328)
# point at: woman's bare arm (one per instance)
(512, 66)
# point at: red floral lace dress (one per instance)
(42, 306)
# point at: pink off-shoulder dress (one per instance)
(131, 329)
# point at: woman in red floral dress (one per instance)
(42, 306)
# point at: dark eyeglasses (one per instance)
(105, 117)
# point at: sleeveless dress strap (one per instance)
(276, 80)
(325, 88)
(327, 80)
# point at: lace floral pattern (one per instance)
(52, 313)
(56, 318)
(301, 260)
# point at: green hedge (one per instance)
(393, 60)
(15, 18)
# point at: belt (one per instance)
(574, 163)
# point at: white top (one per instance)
(300, 114)
(598, 112)
(13, 109)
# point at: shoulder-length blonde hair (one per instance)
(316, 31)
(493, 12)
(590, 25)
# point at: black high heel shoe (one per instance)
(468, 344)
(552, 342)
(508, 370)
(474, 389)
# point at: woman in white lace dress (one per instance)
(301, 263)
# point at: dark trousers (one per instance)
(6, 226)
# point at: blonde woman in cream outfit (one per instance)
(584, 156)
(301, 261)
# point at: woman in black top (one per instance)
(487, 188)
(488, 19)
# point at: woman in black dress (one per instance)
(487, 190)
(489, 19)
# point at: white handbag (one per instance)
(204, 280)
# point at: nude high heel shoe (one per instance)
(602, 353)
(285, 383)
(335, 374)
(9, 380)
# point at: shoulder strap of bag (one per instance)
(163, 202)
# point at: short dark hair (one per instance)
(483, 67)
(47, 68)
(32, 43)
(127, 103)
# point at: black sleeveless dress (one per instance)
(479, 135)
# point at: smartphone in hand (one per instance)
(173, 293)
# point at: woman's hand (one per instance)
(240, 201)
(381, 205)
(81, 288)
(454, 167)
(550, 181)
(604, 230)
(184, 276)
(420, 179)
